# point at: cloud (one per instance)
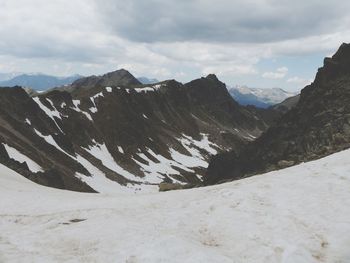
(280, 73)
(258, 21)
(299, 82)
(165, 39)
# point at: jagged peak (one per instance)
(341, 56)
(212, 77)
(338, 64)
(344, 48)
(120, 75)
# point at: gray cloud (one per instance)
(63, 29)
(222, 20)
(169, 39)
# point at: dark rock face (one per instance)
(286, 105)
(119, 77)
(111, 130)
(317, 126)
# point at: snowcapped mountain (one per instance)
(38, 81)
(262, 98)
(299, 214)
(111, 133)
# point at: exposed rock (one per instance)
(315, 127)
(283, 164)
(163, 187)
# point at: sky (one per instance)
(258, 43)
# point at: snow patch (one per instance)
(120, 149)
(144, 90)
(20, 157)
(50, 113)
(196, 160)
(49, 139)
(28, 121)
(101, 152)
(76, 104)
(155, 171)
(158, 86)
(98, 180)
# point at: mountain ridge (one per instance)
(317, 126)
(92, 137)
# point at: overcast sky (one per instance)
(259, 43)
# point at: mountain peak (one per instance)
(212, 77)
(337, 65)
(119, 77)
(343, 52)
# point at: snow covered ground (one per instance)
(300, 214)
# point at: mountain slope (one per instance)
(317, 126)
(287, 104)
(123, 137)
(261, 98)
(299, 214)
(38, 81)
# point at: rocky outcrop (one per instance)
(317, 126)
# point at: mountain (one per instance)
(262, 98)
(317, 126)
(145, 80)
(299, 214)
(119, 77)
(8, 76)
(38, 81)
(287, 104)
(111, 133)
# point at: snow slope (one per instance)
(300, 214)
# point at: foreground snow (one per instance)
(300, 214)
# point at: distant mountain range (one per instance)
(7, 76)
(262, 98)
(145, 80)
(40, 81)
(37, 81)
